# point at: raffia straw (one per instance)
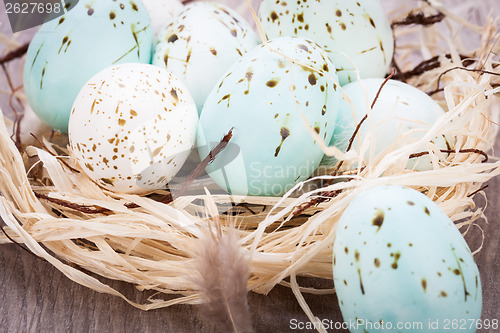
(152, 245)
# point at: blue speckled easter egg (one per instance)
(68, 51)
(265, 96)
(399, 259)
(354, 33)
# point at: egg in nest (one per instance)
(132, 127)
(354, 33)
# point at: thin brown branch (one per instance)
(16, 243)
(244, 205)
(419, 19)
(18, 119)
(461, 68)
(328, 195)
(165, 199)
(44, 147)
(14, 54)
(80, 208)
(16, 130)
(358, 127)
(477, 191)
(205, 163)
(428, 65)
(451, 151)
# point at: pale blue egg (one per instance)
(200, 44)
(399, 108)
(68, 51)
(399, 260)
(354, 33)
(262, 96)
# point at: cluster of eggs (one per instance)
(272, 94)
(136, 91)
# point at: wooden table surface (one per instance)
(35, 297)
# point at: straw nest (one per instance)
(60, 215)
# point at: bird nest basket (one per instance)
(51, 208)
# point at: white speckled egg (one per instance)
(263, 96)
(132, 127)
(399, 108)
(66, 52)
(351, 31)
(161, 11)
(201, 43)
(398, 259)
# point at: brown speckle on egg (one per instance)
(312, 79)
(172, 38)
(303, 47)
(272, 83)
(378, 220)
(371, 22)
(328, 28)
(285, 133)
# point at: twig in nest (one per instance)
(410, 19)
(244, 205)
(14, 54)
(16, 130)
(205, 163)
(451, 151)
(221, 273)
(358, 127)
(428, 65)
(51, 153)
(16, 243)
(86, 244)
(80, 208)
(325, 196)
(166, 199)
(477, 191)
(419, 19)
(17, 53)
(461, 68)
(95, 209)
